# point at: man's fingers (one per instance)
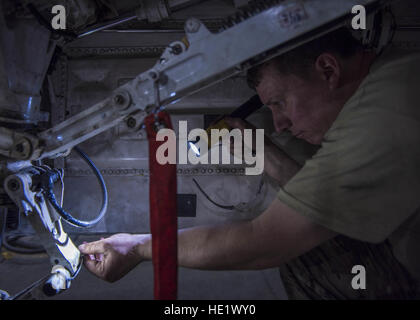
(235, 123)
(99, 257)
(93, 265)
(238, 123)
(96, 247)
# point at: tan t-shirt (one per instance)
(364, 182)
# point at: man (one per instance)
(353, 203)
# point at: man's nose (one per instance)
(281, 123)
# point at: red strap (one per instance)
(163, 214)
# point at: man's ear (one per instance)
(328, 68)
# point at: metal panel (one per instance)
(122, 154)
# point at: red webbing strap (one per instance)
(163, 215)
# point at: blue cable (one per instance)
(67, 216)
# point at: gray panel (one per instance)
(122, 153)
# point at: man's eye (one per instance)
(277, 104)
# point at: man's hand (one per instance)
(112, 258)
(237, 123)
(277, 164)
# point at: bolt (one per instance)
(122, 99)
(23, 148)
(176, 49)
(119, 99)
(19, 148)
(55, 233)
(153, 75)
(13, 185)
(192, 25)
(131, 122)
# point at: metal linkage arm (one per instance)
(205, 59)
(26, 192)
(25, 189)
(18, 145)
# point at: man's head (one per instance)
(307, 87)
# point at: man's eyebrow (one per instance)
(273, 101)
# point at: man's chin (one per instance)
(317, 141)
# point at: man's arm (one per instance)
(278, 165)
(275, 237)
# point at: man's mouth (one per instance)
(303, 135)
(300, 135)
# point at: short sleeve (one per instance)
(364, 182)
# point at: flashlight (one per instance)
(242, 112)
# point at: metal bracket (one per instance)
(46, 222)
(209, 58)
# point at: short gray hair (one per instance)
(299, 61)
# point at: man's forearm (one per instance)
(279, 165)
(220, 247)
(275, 237)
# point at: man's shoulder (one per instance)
(386, 100)
(395, 58)
(395, 72)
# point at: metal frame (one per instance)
(207, 59)
(185, 67)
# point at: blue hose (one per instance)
(67, 216)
